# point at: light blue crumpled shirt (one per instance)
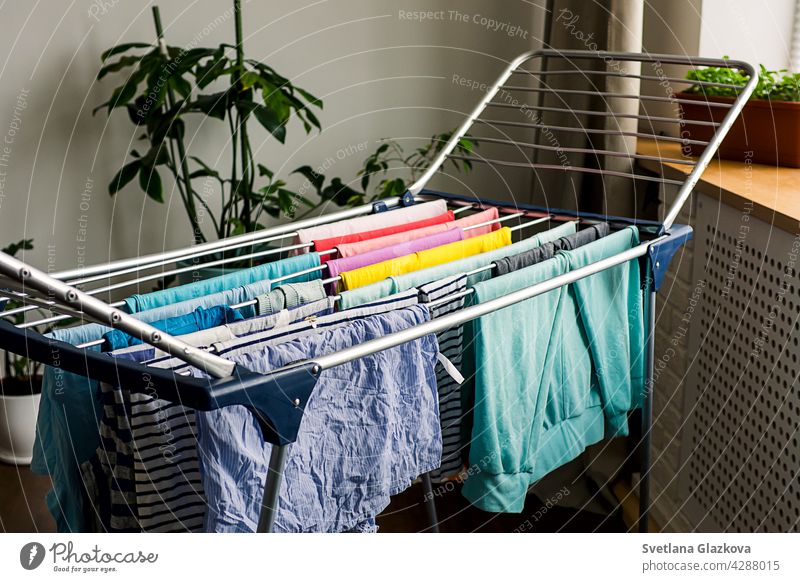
(370, 428)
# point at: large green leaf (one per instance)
(150, 182)
(155, 156)
(126, 174)
(213, 105)
(121, 48)
(122, 63)
(316, 179)
(271, 121)
(312, 100)
(211, 70)
(181, 86)
(204, 170)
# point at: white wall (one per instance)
(759, 31)
(380, 76)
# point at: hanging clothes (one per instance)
(449, 388)
(611, 310)
(366, 245)
(372, 222)
(384, 288)
(576, 371)
(200, 318)
(427, 258)
(370, 428)
(265, 272)
(146, 468)
(289, 296)
(66, 427)
(513, 371)
(548, 250)
(69, 408)
(438, 222)
(337, 266)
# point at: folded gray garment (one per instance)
(290, 296)
(548, 250)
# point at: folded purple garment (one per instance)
(336, 266)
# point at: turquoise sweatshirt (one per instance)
(550, 371)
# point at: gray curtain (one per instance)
(613, 25)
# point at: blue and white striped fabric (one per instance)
(450, 345)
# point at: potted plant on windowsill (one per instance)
(768, 129)
(164, 85)
(20, 390)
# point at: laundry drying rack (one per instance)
(578, 97)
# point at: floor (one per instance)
(22, 507)
(407, 513)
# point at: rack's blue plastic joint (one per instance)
(407, 199)
(379, 206)
(278, 401)
(661, 252)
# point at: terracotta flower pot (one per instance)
(768, 129)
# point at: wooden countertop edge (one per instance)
(726, 196)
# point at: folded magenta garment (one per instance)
(267, 271)
(336, 266)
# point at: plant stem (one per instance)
(188, 200)
(241, 126)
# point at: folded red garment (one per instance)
(328, 243)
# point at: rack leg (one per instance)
(430, 503)
(647, 418)
(272, 486)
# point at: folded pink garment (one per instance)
(336, 266)
(372, 221)
(365, 246)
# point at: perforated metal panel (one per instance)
(741, 443)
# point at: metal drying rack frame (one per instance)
(278, 399)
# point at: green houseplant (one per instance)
(164, 85)
(20, 390)
(768, 129)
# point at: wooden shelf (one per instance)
(773, 191)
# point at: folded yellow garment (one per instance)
(427, 258)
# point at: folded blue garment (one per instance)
(197, 320)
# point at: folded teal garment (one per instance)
(268, 271)
(66, 426)
(199, 319)
(611, 310)
(513, 371)
(381, 289)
